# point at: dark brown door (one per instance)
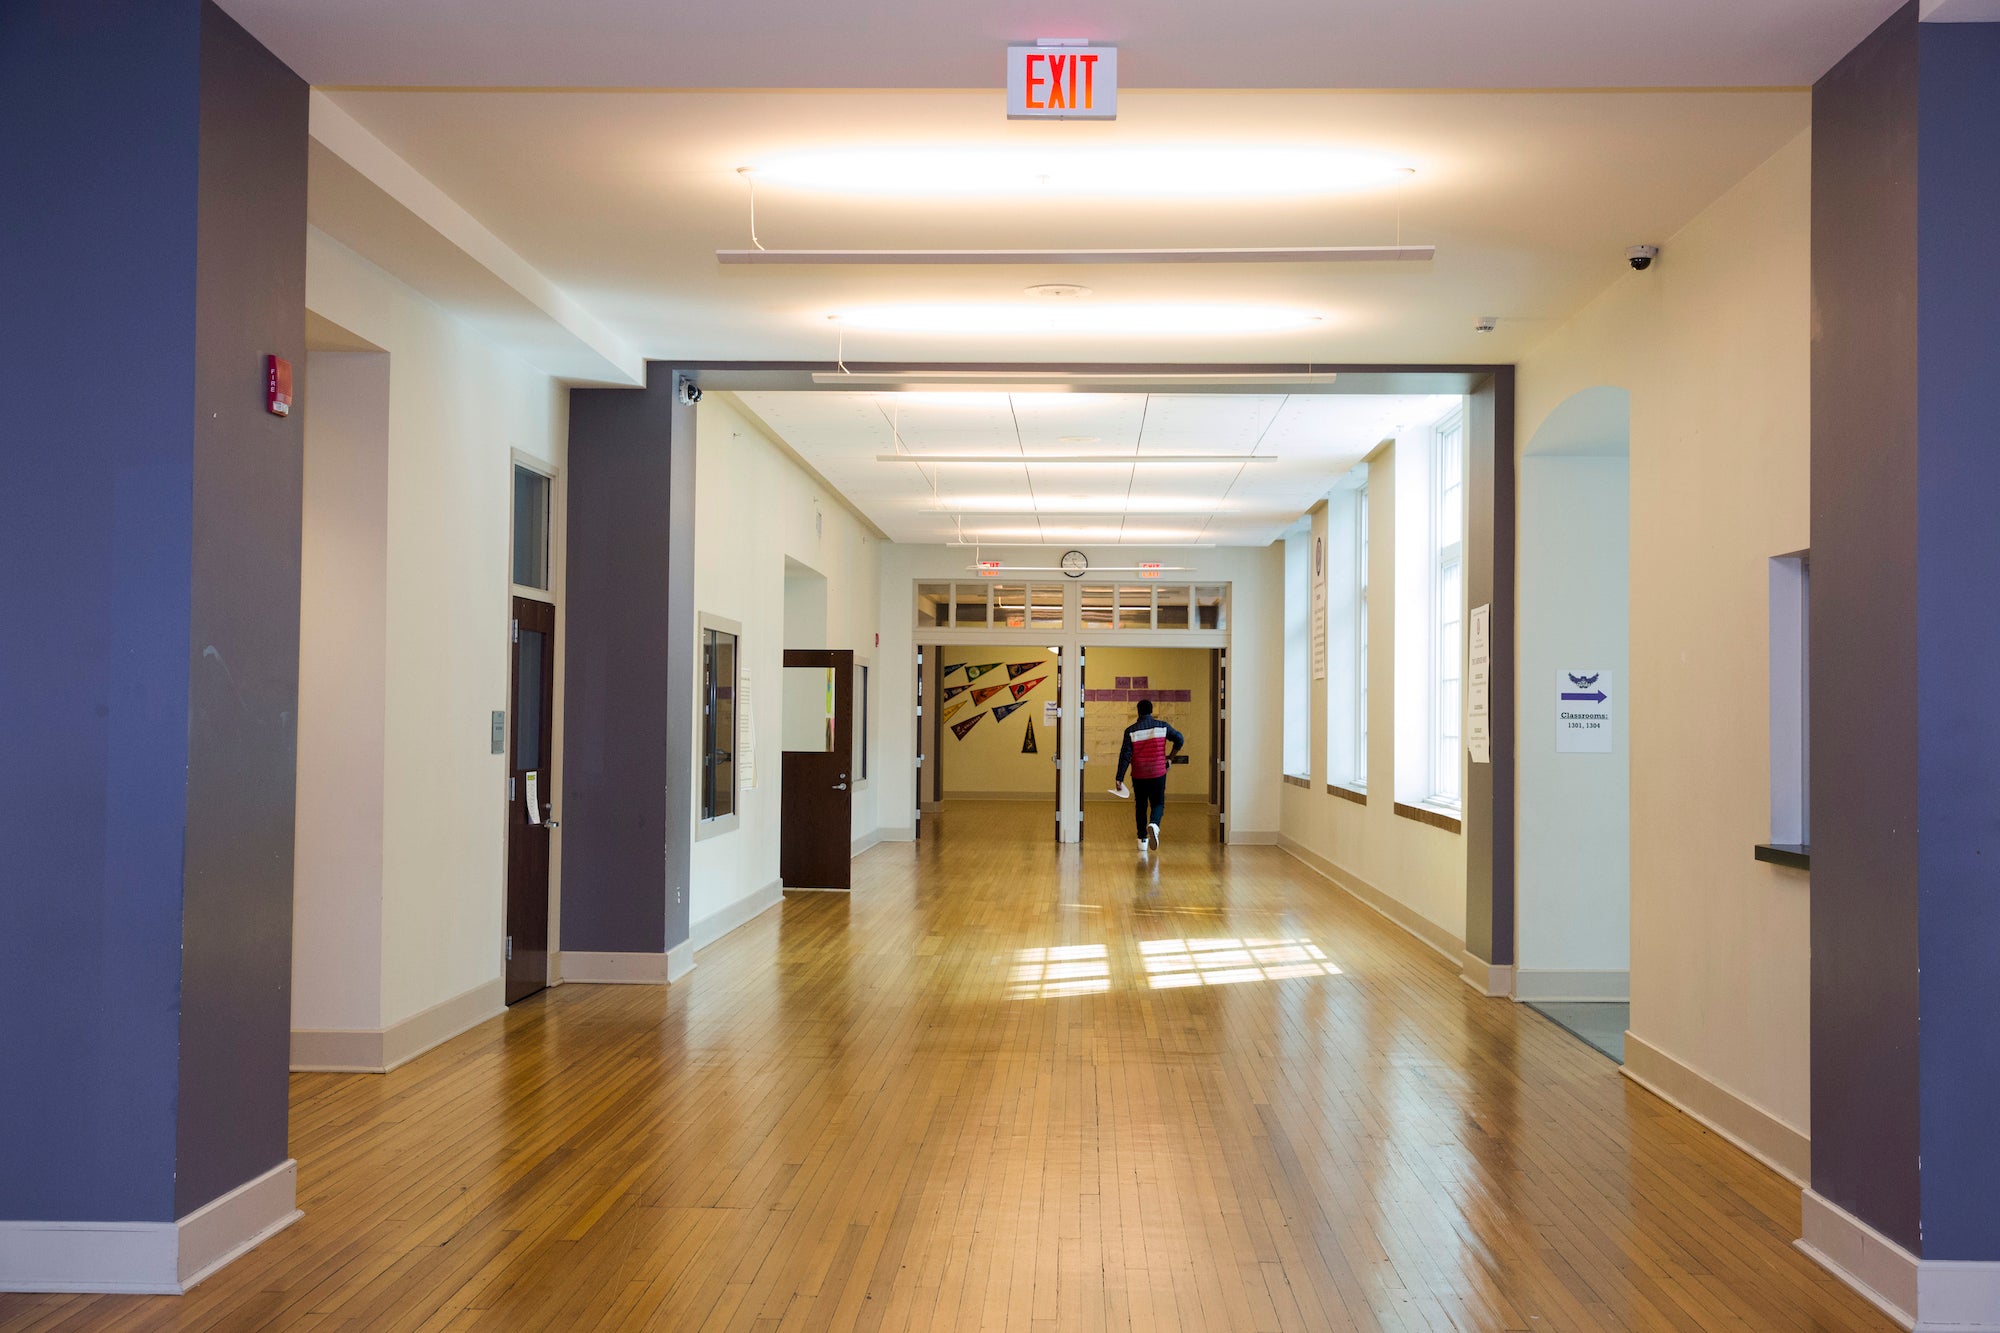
(816, 839)
(530, 797)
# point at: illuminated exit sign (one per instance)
(1062, 80)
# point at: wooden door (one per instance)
(530, 796)
(816, 837)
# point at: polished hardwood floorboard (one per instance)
(1011, 1086)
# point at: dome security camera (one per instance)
(690, 393)
(1641, 257)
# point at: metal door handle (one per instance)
(840, 786)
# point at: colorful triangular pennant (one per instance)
(975, 672)
(955, 666)
(1021, 688)
(953, 691)
(1028, 741)
(959, 729)
(1000, 713)
(1016, 670)
(951, 710)
(985, 692)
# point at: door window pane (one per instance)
(718, 730)
(861, 722)
(810, 709)
(1048, 605)
(969, 605)
(1010, 605)
(933, 605)
(1173, 607)
(528, 702)
(1135, 608)
(1211, 608)
(1098, 607)
(531, 528)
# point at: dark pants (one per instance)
(1149, 802)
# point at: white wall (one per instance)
(343, 669)
(1416, 871)
(1256, 675)
(1573, 928)
(1713, 344)
(458, 409)
(757, 512)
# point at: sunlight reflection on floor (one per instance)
(1085, 969)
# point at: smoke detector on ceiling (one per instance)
(1059, 291)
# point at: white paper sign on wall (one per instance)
(1583, 712)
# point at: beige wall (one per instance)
(1187, 669)
(1417, 867)
(1713, 345)
(458, 409)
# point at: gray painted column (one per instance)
(1905, 726)
(628, 720)
(1487, 817)
(155, 168)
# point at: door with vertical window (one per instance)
(816, 814)
(530, 797)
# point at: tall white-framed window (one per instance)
(1298, 653)
(1447, 526)
(1360, 771)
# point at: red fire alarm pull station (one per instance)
(278, 386)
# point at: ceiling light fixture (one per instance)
(1080, 460)
(935, 385)
(1232, 172)
(1082, 318)
(1281, 254)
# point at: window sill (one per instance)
(1358, 795)
(716, 827)
(1796, 855)
(1423, 814)
(1294, 780)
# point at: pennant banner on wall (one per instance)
(985, 692)
(1016, 670)
(955, 666)
(953, 691)
(951, 710)
(975, 672)
(1000, 713)
(1023, 688)
(959, 729)
(1028, 741)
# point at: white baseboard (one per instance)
(864, 842)
(1927, 1295)
(1744, 1123)
(1493, 980)
(378, 1050)
(614, 969)
(741, 912)
(900, 833)
(1253, 837)
(680, 961)
(1409, 919)
(1578, 984)
(149, 1258)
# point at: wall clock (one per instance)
(1074, 563)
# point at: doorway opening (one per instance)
(1184, 686)
(990, 747)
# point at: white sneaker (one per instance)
(1143, 844)
(1153, 835)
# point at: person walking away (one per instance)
(1148, 750)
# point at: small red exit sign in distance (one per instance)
(1062, 80)
(989, 569)
(1149, 569)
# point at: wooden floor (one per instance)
(1011, 1086)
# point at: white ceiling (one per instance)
(622, 198)
(1314, 438)
(1163, 43)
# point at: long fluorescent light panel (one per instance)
(1309, 254)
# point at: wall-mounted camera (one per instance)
(690, 392)
(1641, 257)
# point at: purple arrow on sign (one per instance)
(1595, 696)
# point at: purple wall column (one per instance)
(152, 249)
(1906, 787)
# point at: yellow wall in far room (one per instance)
(1105, 722)
(989, 762)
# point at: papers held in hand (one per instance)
(1120, 792)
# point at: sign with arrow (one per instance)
(1583, 712)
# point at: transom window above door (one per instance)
(997, 604)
